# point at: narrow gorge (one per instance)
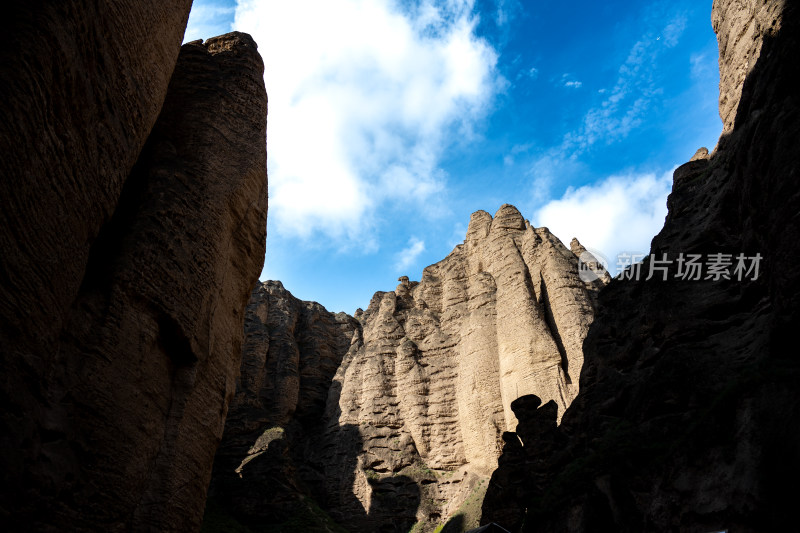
(650, 405)
(151, 382)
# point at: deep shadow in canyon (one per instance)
(274, 469)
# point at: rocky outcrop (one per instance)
(421, 400)
(291, 352)
(741, 27)
(523, 468)
(688, 413)
(394, 418)
(133, 228)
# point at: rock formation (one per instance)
(290, 353)
(688, 417)
(415, 407)
(741, 28)
(431, 375)
(133, 229)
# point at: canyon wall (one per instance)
(688, 416)
(291, 351)
(133, 229)
(395, 418)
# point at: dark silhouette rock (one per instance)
(523, 468)
(133, 228)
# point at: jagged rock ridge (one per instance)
(688, 414)
(436, 364)
(133, 229)
(396, 417)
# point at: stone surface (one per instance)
(688, 415)
(741, 27)
(82, 87)
(133, 228)
(290, 354)
(420, 402)
(394, 418)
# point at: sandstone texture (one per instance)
(290, 353)
(688, 416)
(133, 228)
(429, 380)
(395, 418)
(741, 27)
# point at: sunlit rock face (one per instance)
(436, 364)
(408, 426)
(741, 28)
(688, 413)
(132, 226)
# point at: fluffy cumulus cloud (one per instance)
(364, 96)
(616, 215)
(619, 214)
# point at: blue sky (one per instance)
(391, 121)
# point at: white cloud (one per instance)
(702, 66)
(506, 11)
(409, 255)
(673, 30)
(364, 95)
(549, 168)
(208, 19)
(618, 214)
(529, 73)
(621, 213)
(568, 81)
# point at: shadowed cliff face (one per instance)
(689, 408)
(133, 229)
(291, 351)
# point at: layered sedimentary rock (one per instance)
(133, 228)
(83, 85)
(422, 398)
(291, 351)
(394, 418)
(688, 415)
